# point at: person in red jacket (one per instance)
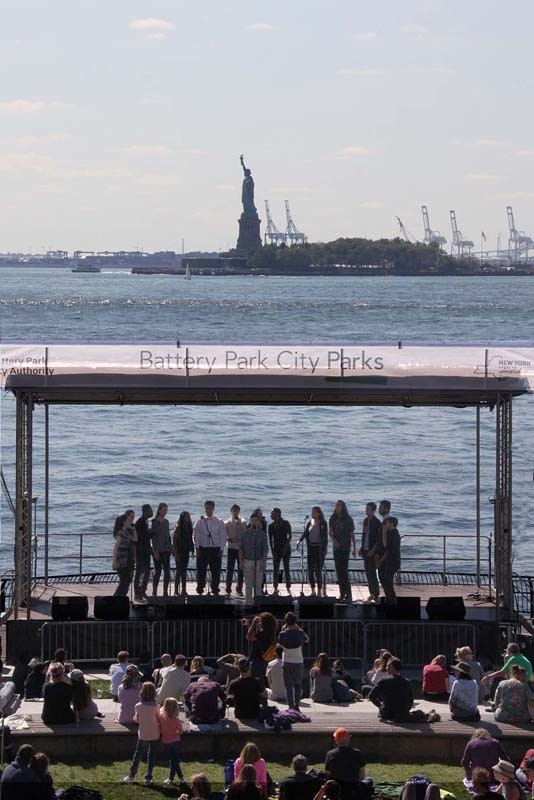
(436, 680)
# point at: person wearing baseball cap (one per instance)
(345, 764)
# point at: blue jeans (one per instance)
(150, 749)
(172, 751)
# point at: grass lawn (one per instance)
(107, 778)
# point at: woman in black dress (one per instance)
(182, 541)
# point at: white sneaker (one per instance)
(168, 782)
(139, 601)
(128, 779)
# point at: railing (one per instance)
(415, 643)
(441, 560)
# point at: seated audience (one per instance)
(204, 701)
(33, 685)
(165, 663)
(45, 787)
(227, 669)
(129, 695)
(477, 670)
(528, 771)
(82, 701)
(201, 789)
(367, 682)
(60, 657)
(394, 696)
(521, 773)
(245, 694)
(512, 657)
(482, 751)
(18, 779)
(275, 677)
(481, 780)
(463, 699)
(246, 786)
(301, 785)
(250, 754)
(57, 708)
(116, 674)
(146, 667)
(174, 680)
(21, 671)
(382, 672)
(436, 680)
(341, 674)
(509, 788)
(321, 689)
(199, 668)
(345, 765)
(513, 696)
(409, 791)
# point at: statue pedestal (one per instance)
(249, 232)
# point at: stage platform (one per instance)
(442, 742)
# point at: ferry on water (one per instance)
(85, 268)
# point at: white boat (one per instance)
(187, 275)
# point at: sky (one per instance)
(122, 121)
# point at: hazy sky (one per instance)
(122, 121)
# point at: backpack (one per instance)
(79, 793)
(422, 782)
(229, 771)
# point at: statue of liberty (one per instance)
(247, 192)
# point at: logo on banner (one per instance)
(503, 366)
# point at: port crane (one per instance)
(459, 246)
(431, 237)
(405, 232)
(272, 234)
(518, 242)
(293, 235)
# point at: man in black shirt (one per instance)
(388, 561)
(280, 541)
(142, 555)
(301, 785)
(393, 696)
(245, 693)
(371, 541)
(345, 765)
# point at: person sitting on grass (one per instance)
(481, 785)
(436, 680)
(246, 786)
(463, 699)
(301, 785)
(346, 765)
(82, 701)
(321, 689)
(514, 698)
(201, 789)
(45, 788)
(147, 718)
(57, 708)
(18, 779)
(171, 732)
(128, 695)
(250, 754)
(509, 788)
(116, 674)
(482, 751)
(33, 685)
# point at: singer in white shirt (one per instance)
(209, 536)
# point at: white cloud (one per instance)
(152, 24)
(157, 179)
(488, 143)
(262, 26)
(364, 37)
(27, 162)
(482, 177)
(372, 204)
(414, 29)
(528, 153)
(361, 73)
(443, 70)
(147, 150)
(356, 150)
(30, 106)
(94, 172)
(291, 189)
(27, 141)
(509, 196)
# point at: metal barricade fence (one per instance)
(96, 640)
(416, 643)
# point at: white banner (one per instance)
(335, 361)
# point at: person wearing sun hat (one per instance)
(463, 699)
(508, 788)
(345, 765)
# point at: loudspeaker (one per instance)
(446, 608)
(208, 607)
(149, 612)
(405, 608)
(110, 607)
(316, 608)
(74, 607)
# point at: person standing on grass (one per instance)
(147, 717)
(161, 549)
(291, 638)
(171, 732)
(142, 554)
(341, 530)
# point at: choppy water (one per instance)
(104, 460)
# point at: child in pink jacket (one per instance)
(147, 717)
